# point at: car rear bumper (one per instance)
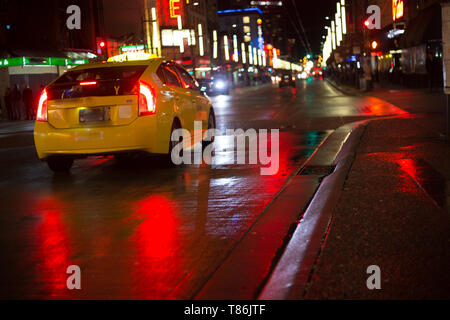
(141, 135)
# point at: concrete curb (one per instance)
(290, 276)
(278, 220)
(342, 90)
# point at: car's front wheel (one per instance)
(211, 125)
(60, 164)
(172, 144)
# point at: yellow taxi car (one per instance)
(117, 108)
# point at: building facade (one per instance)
(277, 26)
(405, 49)
(177, 29)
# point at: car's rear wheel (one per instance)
(60, 164)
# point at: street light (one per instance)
(226, 49)
(374, 45)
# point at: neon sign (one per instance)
(175, 9)
(170, 11)
(135, 48)
(397, 9)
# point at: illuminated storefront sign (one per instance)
(397, 9)
(135, 48)
(175, 9)
(173, 38)
(170, 11)
(34, 61)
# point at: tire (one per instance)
(211, 125)
(60, 164)
(175, 125)
(122, 158)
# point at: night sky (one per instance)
(312, 14)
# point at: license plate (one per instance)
(94, 115)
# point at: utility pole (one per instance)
(446, 60)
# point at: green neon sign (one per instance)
(133, 48)
(41, 61)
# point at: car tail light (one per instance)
(42, 111)
(147, 100)
(88, 83)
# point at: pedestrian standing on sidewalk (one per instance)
(16, 102)
(430, 65)
(27, 98)
(7, 98)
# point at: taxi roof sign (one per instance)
(132, 56)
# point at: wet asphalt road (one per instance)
(145, 231)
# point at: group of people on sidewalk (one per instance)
(19, 105)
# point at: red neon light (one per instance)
(169, 11)
(88, 83)
(175, 9)
(397, 9)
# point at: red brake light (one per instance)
(42, 112)
(147, 101)
(88, 83)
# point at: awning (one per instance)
(385, 44)
(427, 26)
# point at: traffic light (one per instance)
(101, 47)
(374, 45)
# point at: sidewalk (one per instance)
(16, 133)
(411, 100)
(394, 210)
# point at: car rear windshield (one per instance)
(105, 81)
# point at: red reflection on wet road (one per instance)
(156, 233)
(53, 248)
(155, 245)
(378, 107)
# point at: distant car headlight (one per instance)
(220, 84)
